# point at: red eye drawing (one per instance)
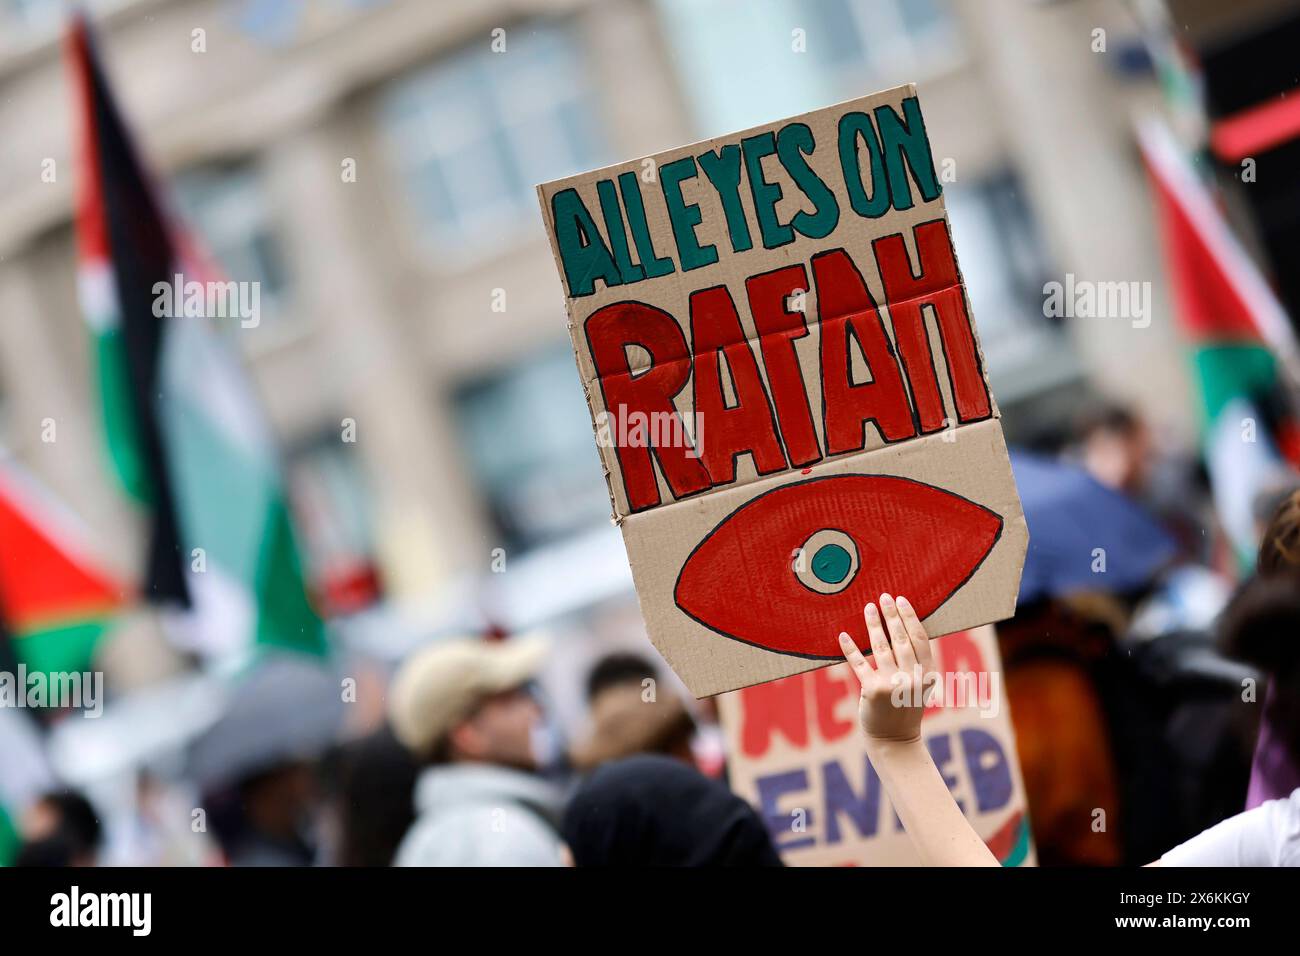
(790, 569)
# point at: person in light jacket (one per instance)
(464, 710)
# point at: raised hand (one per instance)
(895, 689)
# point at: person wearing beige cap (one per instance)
(463, 709)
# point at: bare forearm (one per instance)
(942, 834)
(898, 675)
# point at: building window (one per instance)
(883, 37)
(228, 211)
(26, 23)
(471, 135)
(280, 23)
(744, 62)
(528, 438)
(33, 14)
(1003, 263)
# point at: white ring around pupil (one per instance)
(828, 561)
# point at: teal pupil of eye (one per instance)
(831, 564)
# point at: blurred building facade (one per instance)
(371, 163)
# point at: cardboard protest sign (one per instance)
(787, 389)
(796, 753)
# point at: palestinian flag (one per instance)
(55, 604)
(185, 435)
(1244, 352)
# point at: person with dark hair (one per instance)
(263, 819)
(1115, 446)
(376, 783)
(618, 669)
(630, 715)
(1260, 626)
(60, 829)
(1279, 546)
(1275, 771)
(652, 810)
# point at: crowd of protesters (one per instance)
(1173, 707)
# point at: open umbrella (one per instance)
(1083, 536)
(287, 706)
